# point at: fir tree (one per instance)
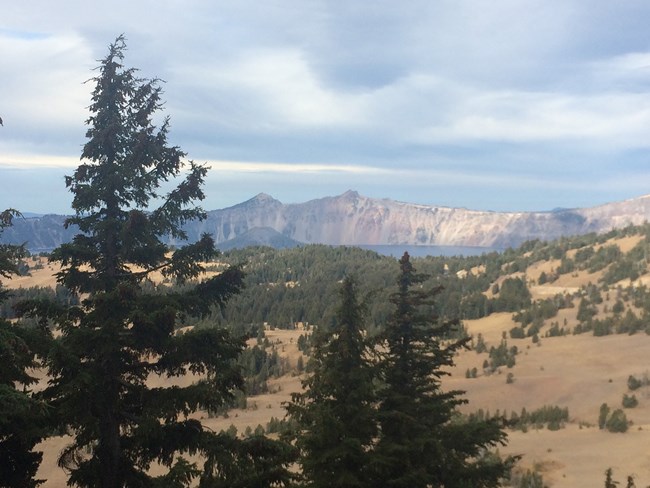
(609, 481)
(422, 442)
(22, 414)
(122, 334)
(335, 414)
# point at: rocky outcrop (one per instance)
(42, 233)
(352, 219)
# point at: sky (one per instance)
(504, 105)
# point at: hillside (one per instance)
(353, 219)
(574, 308)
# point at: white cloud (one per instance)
(41, 80)
(628, 71)
(279, 91)
(295, 168)
(608, 120)
(36, 160)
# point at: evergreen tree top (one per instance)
(125, 162)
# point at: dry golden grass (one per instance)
(44, 277)
(579, 372)
(42, 273)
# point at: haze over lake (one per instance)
(422, 251)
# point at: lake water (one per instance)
(422, 251)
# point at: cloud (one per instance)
(277, 90)
(17, 161)
(295, 168)
(615, 119)
(502, 93)
(41, 78)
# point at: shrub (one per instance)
(517, 333)
(617, 422)
(602, 416)
(629, 401)
(529, 479)
(633, 383)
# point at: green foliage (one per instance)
(537, 313)
(624, 268)
(555, 330)
(480, 344)
(543, 278)
(421, 441)
(617, 421)
(629, 323)
(618, 307)
(517, 333)
(335, 416)
(61, 296)
(23, 415)
(552, 417)
(513, 295)
(243, 463)
(603, 415)
(502, 355)
(11, 256)
(613, 421)
(527, 479)
(603, 257)
(586, 310)
(629, 401)
(123, 332)
(633, 383)
(602, 327)
(566, 266)
(611, 483)
(286, 286)
(258, 365)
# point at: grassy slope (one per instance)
(579, 372)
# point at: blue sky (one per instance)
(491, 105)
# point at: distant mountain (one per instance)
(352, 219)
(40, 233)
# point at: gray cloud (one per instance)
(478, 104)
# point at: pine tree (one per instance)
(422, 442)
(22, 415)
(335, 414)
(609, 481)
(122, 334)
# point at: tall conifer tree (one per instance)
(121, 335)
(22, 415)
(422, 443)
(335, 414)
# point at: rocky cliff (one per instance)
(353, 219)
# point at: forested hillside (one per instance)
(559, 291)
(299, 285)
(284, 287)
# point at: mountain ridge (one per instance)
(354, 219)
